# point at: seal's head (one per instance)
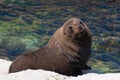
(75, 29)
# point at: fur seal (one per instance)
(67, 52)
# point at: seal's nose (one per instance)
(81, 22)
(78, 24)
(79, 27)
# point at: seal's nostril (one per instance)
(79, 27)
(81, 22)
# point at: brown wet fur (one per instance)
(67, 52)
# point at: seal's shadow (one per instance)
(92, 71)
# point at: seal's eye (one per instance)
(70, 27)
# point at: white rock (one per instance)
(48, 75)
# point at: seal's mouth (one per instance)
(83, 32)
(80, 33)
